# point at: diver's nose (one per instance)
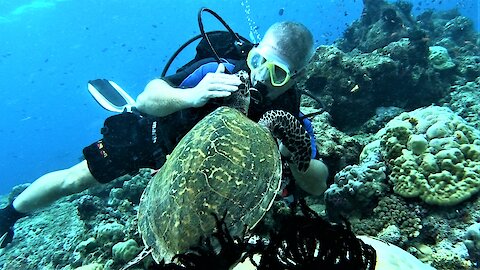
(259, 75)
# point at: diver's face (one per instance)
(268, 68)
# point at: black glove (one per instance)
(8, 217)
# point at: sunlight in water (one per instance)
(29, 7)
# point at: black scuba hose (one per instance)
(204, 35)
(238, 39)
(179, 50)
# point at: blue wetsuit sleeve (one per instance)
(307, 125)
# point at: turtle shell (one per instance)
(227, 164)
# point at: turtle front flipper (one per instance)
(289, 130)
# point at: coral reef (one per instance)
(392, 220)
(381, 23)
(125, 251)
(390, 58)
(83, 230)
(381, 117)
(418, 149)
(439, 58)
(46, 239)
(432, 154)
(357, 188)
(352, 85)
(472, 241)
(463, 100)
(336, 148)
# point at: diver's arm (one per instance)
(161, 99)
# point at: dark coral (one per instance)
(88, 206)
(205, 255)
(383, 61)
(353, 85)
(380, 24)
(356, 189)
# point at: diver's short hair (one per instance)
(293, 40)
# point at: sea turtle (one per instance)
(227, 164)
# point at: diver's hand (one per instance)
(213, 85)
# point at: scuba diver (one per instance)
(146, 132)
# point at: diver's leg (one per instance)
(43, 192)
(53, 186)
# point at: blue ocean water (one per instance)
(49, 49)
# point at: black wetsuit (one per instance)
(133, 140)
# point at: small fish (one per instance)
(281, 11)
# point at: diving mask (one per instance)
(278, 69)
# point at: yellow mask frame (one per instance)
(279, 72)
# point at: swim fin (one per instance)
(110, 96)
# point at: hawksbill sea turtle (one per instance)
(226, 165)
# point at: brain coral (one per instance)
(433, 154)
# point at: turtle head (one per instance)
(240, 99)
